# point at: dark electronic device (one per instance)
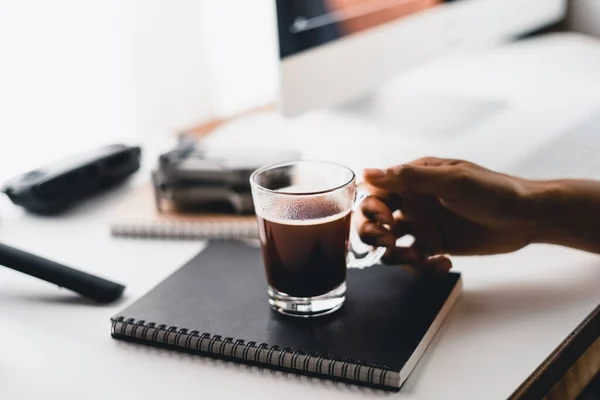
(190, 178)
(94, 288)
(52, 188)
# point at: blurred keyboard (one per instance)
(575, 154)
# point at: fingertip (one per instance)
(373, 173)
(393, 180)
(442, 269)
(379, 241)
(374, 209)
(376, 235)
(440, 264)
(385, 218)
(384, 221)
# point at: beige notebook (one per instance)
(138, 217)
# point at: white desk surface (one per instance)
(514, 310)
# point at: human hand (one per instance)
(449, 207)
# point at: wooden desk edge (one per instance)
(552, 376)
(208, 127)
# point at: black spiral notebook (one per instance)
(216, 305)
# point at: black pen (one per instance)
(93, 287)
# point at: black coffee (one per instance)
(306, 257)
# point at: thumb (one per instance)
(434, 180)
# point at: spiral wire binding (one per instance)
(188, 230)
(286, 358)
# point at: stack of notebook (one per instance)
(138, 217)
(216, 305)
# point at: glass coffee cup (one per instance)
(304, 211)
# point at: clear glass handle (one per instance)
(366, 258)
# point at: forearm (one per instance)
(566, 213)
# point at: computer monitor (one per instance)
(334, 51)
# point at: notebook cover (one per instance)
(216, 305)
(138, 217)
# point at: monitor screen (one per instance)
(304, 24)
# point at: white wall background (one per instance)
(97, 71)
(242, 52)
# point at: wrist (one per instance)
(543, 204)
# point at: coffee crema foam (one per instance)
(304, 210)
(304, 222)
